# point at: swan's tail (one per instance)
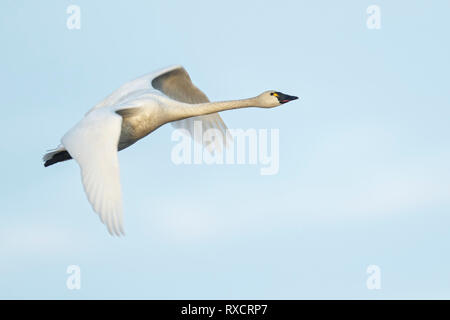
(57, 155)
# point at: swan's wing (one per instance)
(93, 144)
(176, 84)
(133, 88)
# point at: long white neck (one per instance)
(179, 110)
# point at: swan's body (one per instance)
(127, 115)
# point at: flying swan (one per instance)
(127, 115)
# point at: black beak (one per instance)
(283, 98)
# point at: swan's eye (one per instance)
(274, 94)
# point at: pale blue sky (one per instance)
(364, 155)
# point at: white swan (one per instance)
(130, 113)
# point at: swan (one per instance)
(127, 115)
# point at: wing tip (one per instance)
(119, 233)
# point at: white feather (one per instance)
(93, 144)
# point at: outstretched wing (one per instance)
(93, 144)
(133, 88)
(175, 83)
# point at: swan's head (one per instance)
(272, 98)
